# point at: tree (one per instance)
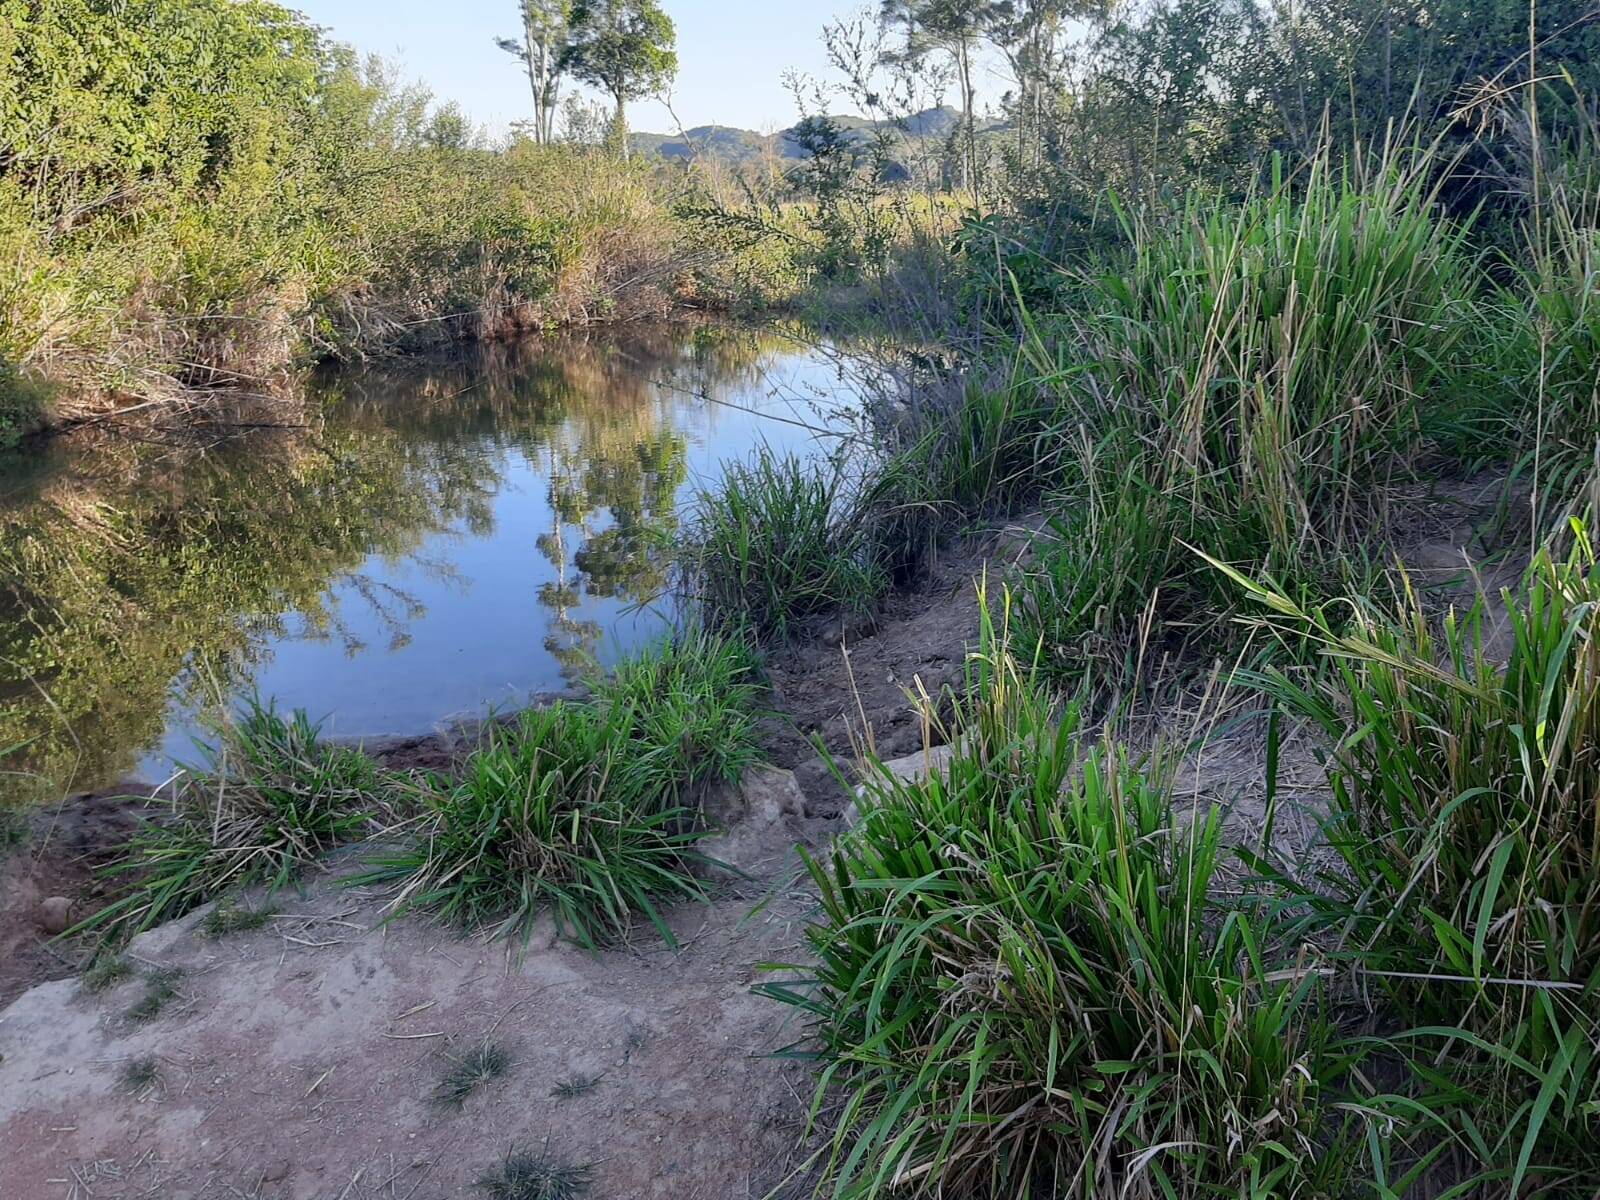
(1028, 33)
(545, 25)
(626, 48)
(956, 27)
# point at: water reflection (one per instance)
(438, 539)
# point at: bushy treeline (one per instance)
(199, 192)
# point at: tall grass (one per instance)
(1464, 758)
(1024, 984)
(269, 800)
(778, 542)
(1560, 282)
(1246, 379)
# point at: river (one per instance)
(431, 539)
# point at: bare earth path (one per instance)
(300, 1059)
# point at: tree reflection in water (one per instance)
(139, 580)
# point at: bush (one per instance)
(1025, 987)
(1466, 821)
(778, 542)
(271, 799)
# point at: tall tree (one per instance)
(545, 25)
(957, 28)
(626, 48)
(1029, 34)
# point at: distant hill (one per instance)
(726, 144)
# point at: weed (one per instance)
(229, 918)
(694, 705)
(1023, 985)
(140, 1077)
(160, 989)
(536, 1175)
(1466, 820)
(574, 1086)
(780, 541)
(105, 971)
(561, 812)
(271, 799)
(485, 1062)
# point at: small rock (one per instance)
(55, 914)
(277, 1172)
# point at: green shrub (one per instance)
(270, 799)
(568, 811)
(1024, 985)
(778, 542)
(1465, 770)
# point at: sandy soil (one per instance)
(300, 1060)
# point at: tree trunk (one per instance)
(533, 56)
(619, 125)
(968, 134)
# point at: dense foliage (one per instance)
(199, 192)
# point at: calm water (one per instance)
(441, 539)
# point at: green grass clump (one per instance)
(105, 971)
(564, 811)
(1466, 820)
(160, 989)
(778, 542)
(228, 918)
(271, 798)
(574, 1086)
(587, 809)
(536, 1175)
(484, 1063)
(1024, 985)
(695, 703)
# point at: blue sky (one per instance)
(732, 54)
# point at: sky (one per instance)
(732, 55)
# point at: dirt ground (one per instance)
(301, 1059)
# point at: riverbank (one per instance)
(822, 688)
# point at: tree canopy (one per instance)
(627, 48)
